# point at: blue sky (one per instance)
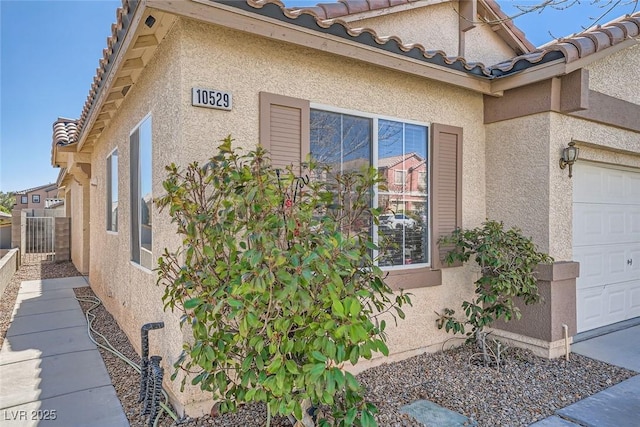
(49, 52)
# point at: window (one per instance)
(35, 198)
(141, 194)
(24, 200)
(399, 150)
(432, 188)
(112, 191)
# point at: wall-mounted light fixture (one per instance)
(569, 157)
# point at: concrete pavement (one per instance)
(51, 373)
(617, 406)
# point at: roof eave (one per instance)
(264, 26)
(116, 62)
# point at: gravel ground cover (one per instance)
(526, 389)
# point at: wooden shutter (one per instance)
(284, 129)
(446, 187)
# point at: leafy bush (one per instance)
(277, 282)
(507, 260)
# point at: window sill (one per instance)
(413, 278)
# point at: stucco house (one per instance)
(450, 89)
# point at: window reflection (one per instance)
(112, 191)
(146, 196)
(403, 162)
(343, 142)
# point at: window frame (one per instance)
(24, 200)
(34, 197)
(375, 118)
(135, 195)
(111, 225)
(403, 176)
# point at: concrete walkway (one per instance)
(51, 373)
(617, 406)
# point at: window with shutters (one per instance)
(399, 150)
(422, 165)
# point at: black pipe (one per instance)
(144, 363)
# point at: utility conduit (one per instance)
(111, 349)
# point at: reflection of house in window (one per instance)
(406, 177)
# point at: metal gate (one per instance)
(38, 239)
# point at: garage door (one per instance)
(606, 242)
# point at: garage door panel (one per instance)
(633, 221)
(616, 305)
(606, 242)
(634, 299)
(598, 224)
(591, 267)
(589, 311)
(632, 189)
(587, 186)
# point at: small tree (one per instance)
(507, 261)
(277, 283)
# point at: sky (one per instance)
(49, 52)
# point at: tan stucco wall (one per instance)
(517, 175)
(525, 185)
(128, 291)
(196, 54)
(78, 208)
(436, 28)
(617, 75)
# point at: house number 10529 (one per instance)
(210, 98)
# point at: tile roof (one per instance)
(49, 186)
(118, 31)
(315, 18)
(309, 19)
(65, 131)
(344, 8)
(348, 7)
(387, 162)
(577, 46)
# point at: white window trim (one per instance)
(133, 130)
(374, 153)
(108, 230)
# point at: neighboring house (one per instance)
(36, 198)
(34, 202)
(471, 141)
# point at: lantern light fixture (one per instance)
(569, 157)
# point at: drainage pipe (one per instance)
(566, 342)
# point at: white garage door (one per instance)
(606, 242)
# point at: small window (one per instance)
(35, 198)
(24, 200)
(141, 194)
(112, 191)
(399, 177)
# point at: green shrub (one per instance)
(277, 283)
(507, 260)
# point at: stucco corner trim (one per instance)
(561, 270)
